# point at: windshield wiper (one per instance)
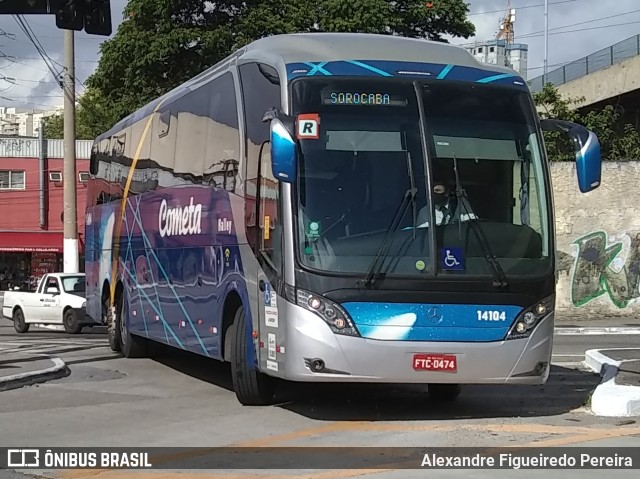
(409, 196)
(500, 279)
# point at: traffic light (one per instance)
(92, 15)
(68, 15)
(97, 17)
(24, 7)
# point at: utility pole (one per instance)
(70, 216)
(546, 41)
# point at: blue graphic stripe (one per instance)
(315, 68)
(170, 286)
(495, 78)
(177, 340)
(370, 68)
(165, 323)
(136, 214)
(129, 255)
(363, 67)
(445, 71)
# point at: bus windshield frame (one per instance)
(476, 146)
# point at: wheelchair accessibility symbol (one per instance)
(452, 259)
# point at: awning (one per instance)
(23, 242)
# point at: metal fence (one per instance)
(599, 60)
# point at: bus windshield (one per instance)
(481, 182)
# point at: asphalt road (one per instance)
(179, 399)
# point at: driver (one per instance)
(448, 208)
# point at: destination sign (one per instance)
(355, 98)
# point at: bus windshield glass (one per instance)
(487, 194)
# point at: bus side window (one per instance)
(270, 225)
(260, 91)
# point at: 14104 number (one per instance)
(491, 316)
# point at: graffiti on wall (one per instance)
(606, 269)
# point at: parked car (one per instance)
(58, 299)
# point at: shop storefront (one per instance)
(26, 257)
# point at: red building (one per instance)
(31, 206)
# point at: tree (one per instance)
(92, 118)
(618, 141)
(162, 43)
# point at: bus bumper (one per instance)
(310, 343)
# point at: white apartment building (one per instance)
(499, 52)
(23, 122)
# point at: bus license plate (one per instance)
(435, 362)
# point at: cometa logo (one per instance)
(181, 220)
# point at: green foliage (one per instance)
(92, 118)
(162, 43)
(618, 141)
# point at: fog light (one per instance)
(521, 327)
(541, 309)
(529, 318)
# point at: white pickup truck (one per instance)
(59, 299)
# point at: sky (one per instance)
(25, 81)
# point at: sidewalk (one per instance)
(19, 370)
(619, 392)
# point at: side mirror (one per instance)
(51, 290)
(284, 149)
(587, 150)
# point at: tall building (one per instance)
(23, 122)
(503, 50)
(499, 52)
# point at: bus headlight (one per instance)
(529, 318)
(332, 314)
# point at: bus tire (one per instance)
(112, 328)
(252, 387)
(132, 346)
(444, 392)
(19, 324)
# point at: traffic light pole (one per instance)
(70, 215)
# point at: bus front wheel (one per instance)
(444, 392)
(252, 387)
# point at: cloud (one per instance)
(36, 87)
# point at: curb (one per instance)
(611, 399)
(569, 331)
(57, 371)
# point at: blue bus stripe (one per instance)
(445, 71)
(495, 77)
(146, 257)
(129, 254)
(158, 311)
(370, 68)
(166, 276)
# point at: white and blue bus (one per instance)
(334, 208)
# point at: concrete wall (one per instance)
(598, 237)
(603, 84)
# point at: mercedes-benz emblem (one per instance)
(434, 315)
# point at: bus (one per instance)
(338, 208)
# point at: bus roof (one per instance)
(324, 47)
(327, 47)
